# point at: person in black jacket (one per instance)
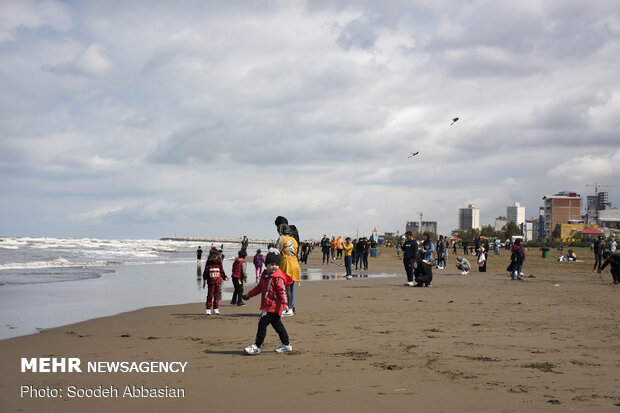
(614, 261)
(410, 252)
(325, 249)
(599, 249)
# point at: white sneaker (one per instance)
(253, 350)
(464, 273)
(208, 312)
(288, 313)
(216, 311)
(349, 277)
(284, 348)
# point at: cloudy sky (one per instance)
(143, 119)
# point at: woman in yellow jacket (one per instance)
(348, 249)
(287, 245)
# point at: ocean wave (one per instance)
(46, 277)
(57, 263)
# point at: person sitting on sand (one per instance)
(423, 271)
(272, 287)
(571, 256)
(463, 265)
(212, 276)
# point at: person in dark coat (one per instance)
(614, 261)
(599, 249)
(410, 252)
(423, 271)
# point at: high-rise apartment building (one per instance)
(469, 217)
(561, 208)
(515, 213)
(427, 226)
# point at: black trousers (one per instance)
(276, 321)
(238, 294)
(598, 261)
(409, 268)
(325, 257)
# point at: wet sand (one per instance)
(479, 343)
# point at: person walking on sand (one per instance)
(410, 252)
(239, 276)
(359, 253)
(287, 245)
(483, 253)
(245, 242)
(332, 248)
(347, 249)
(454, 244)
(441, 251)
(199, 253)
(325, 249)
(366, 251)
(599, 249)
(339, 247)
(258, 263)
(212, 277)
(272, 288)
(612, 245)
(463, 265)
(517, 257)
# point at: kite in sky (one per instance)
(413, 154)
(454, 120)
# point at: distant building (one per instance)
(500, 223)
(469, 217)
(609, 218)
(515, 213)
(561, 208)
(414, 226)
(528, 230)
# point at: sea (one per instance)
(50, 282)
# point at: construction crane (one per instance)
(420, 214)
(596, 186)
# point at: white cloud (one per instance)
(588, 168)
(18, 15)
(204, 117)
(90, 61)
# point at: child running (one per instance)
(239, 276)
(258, 263)
(212, 276)
(272, 287)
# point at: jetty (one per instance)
(217, 240)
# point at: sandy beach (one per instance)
(478, 343)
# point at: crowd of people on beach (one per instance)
(276, 282)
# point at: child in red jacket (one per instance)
(212, 276)
(272, 287)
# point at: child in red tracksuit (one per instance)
(212, 276)
(272, 287)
